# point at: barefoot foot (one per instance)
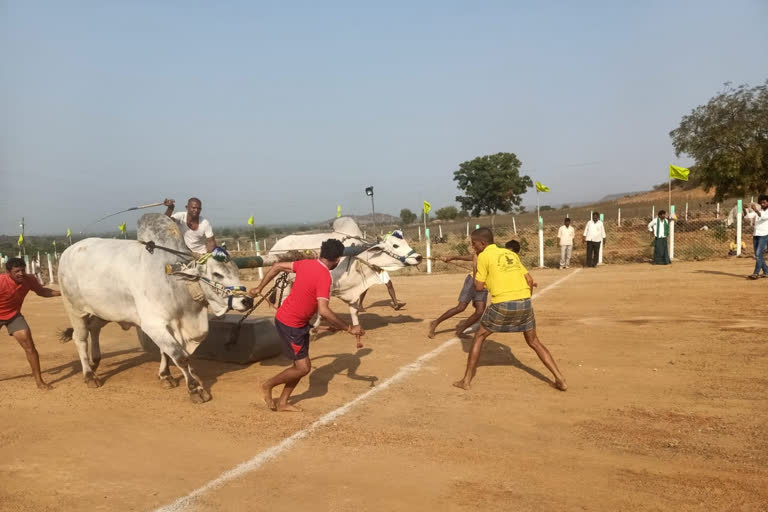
(461, 384)
(288, 408)
(560, 384)
(268, 397)
(44, 386)
(432, 327)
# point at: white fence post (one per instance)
(50, 268)
(419, 233)
(258, 253)
(619, 221)
(514, 226)
(739, 213)
(671, 232)
(653, 211)
(600, 253)
(686, 210)
(541, 242)
(467, 229)
(717, 215)
(238, 245)
(440, 229)
(429, 251)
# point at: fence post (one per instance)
(653, 211)
(467, 229)
(514, 226)
(258, 253)
(419, 233)
(671, 232)
(238, 245)
(440, 230)
(619, 221)
(686, 210)
(477, 226)
(429, 251)
(738, 226)
(50, 268)
(541, 242)
(717, 215)
(600, 253)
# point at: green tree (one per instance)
(728, 139)
(407, 216)
(491, 183)
(447, 213)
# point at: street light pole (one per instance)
(369, 192)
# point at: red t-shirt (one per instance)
(313, 281)
(12, 294)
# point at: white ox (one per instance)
(107, 280)
(355, 274)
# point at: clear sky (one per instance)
(285, 109)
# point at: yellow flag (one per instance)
(541, 188)
(427, 207)
(21, 239)
(122, 227)
(250, 220)
(338, 211)
(69, 232)
(54, 243)
(678, 173)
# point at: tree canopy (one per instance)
(447, 213)
(491, 183)
(728, 139)
(407, 216)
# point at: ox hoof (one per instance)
(92, 381)
(168, 382)
(199, 396)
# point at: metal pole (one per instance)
(429, 252)
(600, 254)
(50, 268)
(619, 222)
(514, 226)
(739, 214)
(541, 242)
(373, 213)
(671, 232)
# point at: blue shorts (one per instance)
(469, 294)
(295, 340)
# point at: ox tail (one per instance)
(65, 335)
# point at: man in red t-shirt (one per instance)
(14, 286)
(309, 295)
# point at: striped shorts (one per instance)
(512, 316)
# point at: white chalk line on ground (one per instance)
(272, 452)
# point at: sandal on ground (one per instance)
(753, 277)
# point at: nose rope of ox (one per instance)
(280, 283)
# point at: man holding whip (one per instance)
(196, 230)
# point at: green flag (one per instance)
(250, 220)
(541, 188)
(122, 228)
(21, 240)
(427, 207)
(69, 232)
(338, 211)
(678, 173)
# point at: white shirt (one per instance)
(761, 222)
(194, 238)
(566, 234)
(594, 232)
(661, 231)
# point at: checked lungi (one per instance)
(512, 316)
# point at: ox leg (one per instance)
(353, 309)
(80, 338)
(164, 374)
(94, 349)
(173, 349)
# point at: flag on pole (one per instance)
(338, 211)
(122, 228)
(541, 188)
(678, 173)
(54, 243)
(21, 240)
(427, 207)
(250, 220)
(69, 232)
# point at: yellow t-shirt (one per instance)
(503, 274)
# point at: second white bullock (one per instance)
(355, 274)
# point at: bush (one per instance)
(447, 213)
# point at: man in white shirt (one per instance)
(565, 236)
(659, 229)
(196, 231)
(594, 235)
(760, 235)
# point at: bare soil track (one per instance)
(668, 375)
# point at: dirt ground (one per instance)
(667, 367)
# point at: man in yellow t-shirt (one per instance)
(510, 286)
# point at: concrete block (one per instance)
(256, 341)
